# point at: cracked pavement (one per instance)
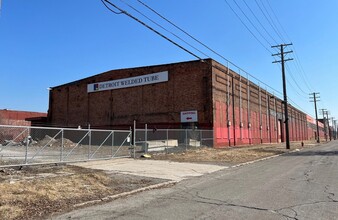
(299, 185)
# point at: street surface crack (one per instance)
(330, 194)
(279, 211)
(218, 202)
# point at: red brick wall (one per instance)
(233, 112)
(18, 118)
(188, 88)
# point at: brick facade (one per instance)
(18, 118)
(239, 111)
(188, 88)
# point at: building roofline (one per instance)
(21, 111)
(131, 68)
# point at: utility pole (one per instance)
(315, 99)
(335, 128)
(282, 61)
(328, 124)
(324, 121)
(332, 128)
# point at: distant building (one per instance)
(20, 118)
(196, 94)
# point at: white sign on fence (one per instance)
(189, 116)
(129, 82)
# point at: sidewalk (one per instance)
(191, 163)
(162, 169)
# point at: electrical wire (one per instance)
(260, 23)
(267, 11)
(110, 8)
(204, 45)
(152, 29)
(294, 80)
(243, 23)
(181, 47)
(185, 32)
(178, 37)
(302, 71)
(253, 25)
(276, 17)
(266, 17)
(297, 63)
(295, 90)
(300, 108)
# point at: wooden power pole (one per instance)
(282, 61)
(315, 98)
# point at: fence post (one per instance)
(201, 140)
(146, 139)
(166, 149)
(62, 144)
(27, 143)
(186, 139)
(89, 144)
(112, 143)
(134, 137)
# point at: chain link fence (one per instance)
(31, 145)
(172, 140)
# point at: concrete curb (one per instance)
(264, 158)
(112, 197)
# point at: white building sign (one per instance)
(129, 82)
(189, 116)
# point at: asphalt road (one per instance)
(301, 185)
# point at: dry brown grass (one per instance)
(27, 194)
(228, 155)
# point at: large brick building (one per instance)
(203, 94)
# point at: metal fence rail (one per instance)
(172, 140)
(31, 145)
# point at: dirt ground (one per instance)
(36, 192)
(230, 155)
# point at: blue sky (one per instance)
(49, 43)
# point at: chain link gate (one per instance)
(21, 145)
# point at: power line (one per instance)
(294, 89)
(292, 77)
(257, 19)
(152, 29)
(185, 32)
(267, 11)
(297, 63)
(302, 71)
(123, 11)
(178, 37)
(266, 17)
(247, 26)
(239, 7)
(110, 8)
(181, 47)
(298, 106)
(291, 101)
(204, 45)
(276, 17)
